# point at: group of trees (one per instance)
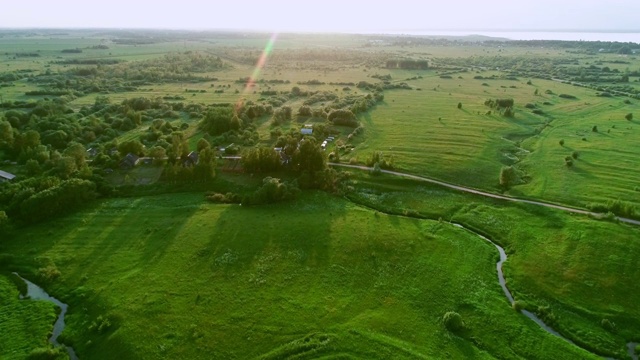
(504, 106)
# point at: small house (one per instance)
(92, 152)
(5, 176)
(191, 159)
(307, 130)
(129, 161)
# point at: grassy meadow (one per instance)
(175, 276)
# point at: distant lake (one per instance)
(540, 35)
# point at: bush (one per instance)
(567, 96)
(376, 169)
(568, 161)
(273, 190)
(508, 176)
(629, 116)
(608, 325)
(453, 321)
(575, 155)
(519, 305)
(594, 128)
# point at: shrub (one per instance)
(507, 176)
(575, 155)
(629, 116)
(594, 128)
(567, 96)
(376, 169)
(608, 325)
(568, 161)
(519, 305)
(459, 105)
(453, 321)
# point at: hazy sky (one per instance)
(326, 15)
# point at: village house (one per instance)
(5, 176)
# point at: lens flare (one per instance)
(262, 61)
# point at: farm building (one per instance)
(5, 176)
(307, 130)
(129, 161)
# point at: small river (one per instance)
(37, 293)
(503, 257)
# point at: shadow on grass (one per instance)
(303, 227)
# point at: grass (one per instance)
(582, 269)
(177, 277)
(25, 324)
(170, 276)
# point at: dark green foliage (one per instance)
(343, 117)
(273, 190)
(262, 159)
(459, 105)
(568, 161)
(219, 198)
(618, 207)
(567, 96)
(594, 128)
(305, 111)
(499, 103)
(131, 147)
(629, 116)
(57, 200)
(219, 120)
(376, 169)
(377, 157)
(453, 321)
(48, 353)
(309, 156)
(575, 155)
(508, 176)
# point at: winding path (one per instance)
(487, 194)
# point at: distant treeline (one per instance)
(89, 62)
(408, 64)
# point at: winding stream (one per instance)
(37, 293)
(503, 257)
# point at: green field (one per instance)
(178, 277)
(153, 266)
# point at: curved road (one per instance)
(487, 194)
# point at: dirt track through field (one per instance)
(487, 194)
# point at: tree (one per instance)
(6, 135)
(561, 142)
(133, 146)
(159, 154)
(305, 110)
(203, 144)
(217, 120)
(309, 156)
(629, 116)
(77, 152)
(33, 167)
(453, 321)
(507, 176)
(262, 159)
(459, 105)
(205, 169)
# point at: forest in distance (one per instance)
(247, 195)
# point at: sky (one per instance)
(353, 16)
